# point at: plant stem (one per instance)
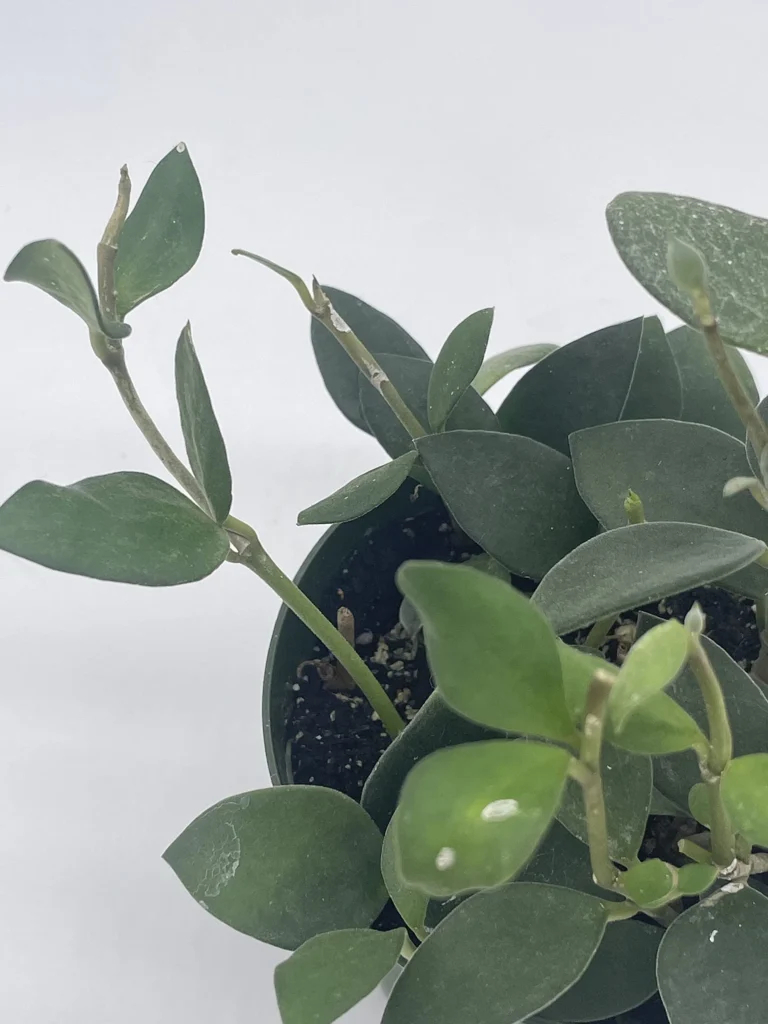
(107, 248)
(757, 431)
(598, 633)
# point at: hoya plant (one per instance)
(572, 824)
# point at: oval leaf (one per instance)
(361, 495)
(163, 235)
(698, 803)
(283, 864)
(652, 663)
(331, 973)
(513, 496)
(493, 656)
(694, 879)
(457, 365)
(410, 903)
(650, 883)
(635, 565)
(124, 527)
(495, 368)
(206, 451)
(744, 788)
(543, 940)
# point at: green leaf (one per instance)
(744, 789)
(495, 368)
(283, 864)
(704, 398)
(622, 372)
(361, 495)
(163, 235)
(678, 470)
(698, 802)
(409, 902)
(470, 817)
(457, 365)
(711, 963)
(493, 656)
(650, 883)
(622, 975)
(124, 527)
(331, 973)
(543, 940)
(206, 451)
(562, 859)
(627, 785)
(635, 565)
(513, 496)
(411, 379)
(661, 804)
(733, 244)
(56, 270)
(652, 663)
(694, 879)
(754, 462)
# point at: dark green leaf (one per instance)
(622, 372)
(734, 246)
(379, 334)
(163, 235)
(331, 973)
(471, 816)
(634, 565)
(652, 663)
(745, 793)
(562, 859)
(650, 883)
(711, 963)
(206, 451)
(283, 864)
(410, 903)
(495, 368)
(754, 462)
(361, 495)
(493, 656)
(513, 496)
(622, 975)
(543, 938)
(125, 527)
(693, 879)
(704, 398)
(56, 270)
(661, 804)
(457, 365)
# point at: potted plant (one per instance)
(512, 755)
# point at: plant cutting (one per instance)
(515, 700)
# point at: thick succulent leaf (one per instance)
(361, 495)
(711, 963)
(678, 470)
(54, 269)
(331, 973)
(544, 937)
(704, 398)
(699, 804)
(471, 816)
(163, 235)
(493, 657)
(411, 378)
(653, 662)
(745, 793)
(124, 527)
(205, 446)
(694, 879)
(512, 495)
(283, 864)
(435, 726)
(380, 334)
(457, 365)
(498, 366)
(631, 566)
(622, 372)
(411, 903)
(622, 975)
(649, 883)
(734, 246)
(627, 785)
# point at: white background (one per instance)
(433, 158)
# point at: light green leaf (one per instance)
(409, 902)
(744, 789)
(163, 235)
(469, 817)
(711, 963)
(652, 663)
(283, 864)
(331, 973)
(206, 451)
(698, 802)
(694, 879)
(361, 495)
(493, 656)
(513, 496)
(495, 368)
(543, 940)
(733, 244)
(457, 365)
(56, 270)
(650, 883)
(125, 527)
(635, 565)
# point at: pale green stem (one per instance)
(106, 252)
(757, 431)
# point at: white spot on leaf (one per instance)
(499, 810)
(445, 859)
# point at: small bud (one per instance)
(686, 267)
(696, 620)
(633, 508)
